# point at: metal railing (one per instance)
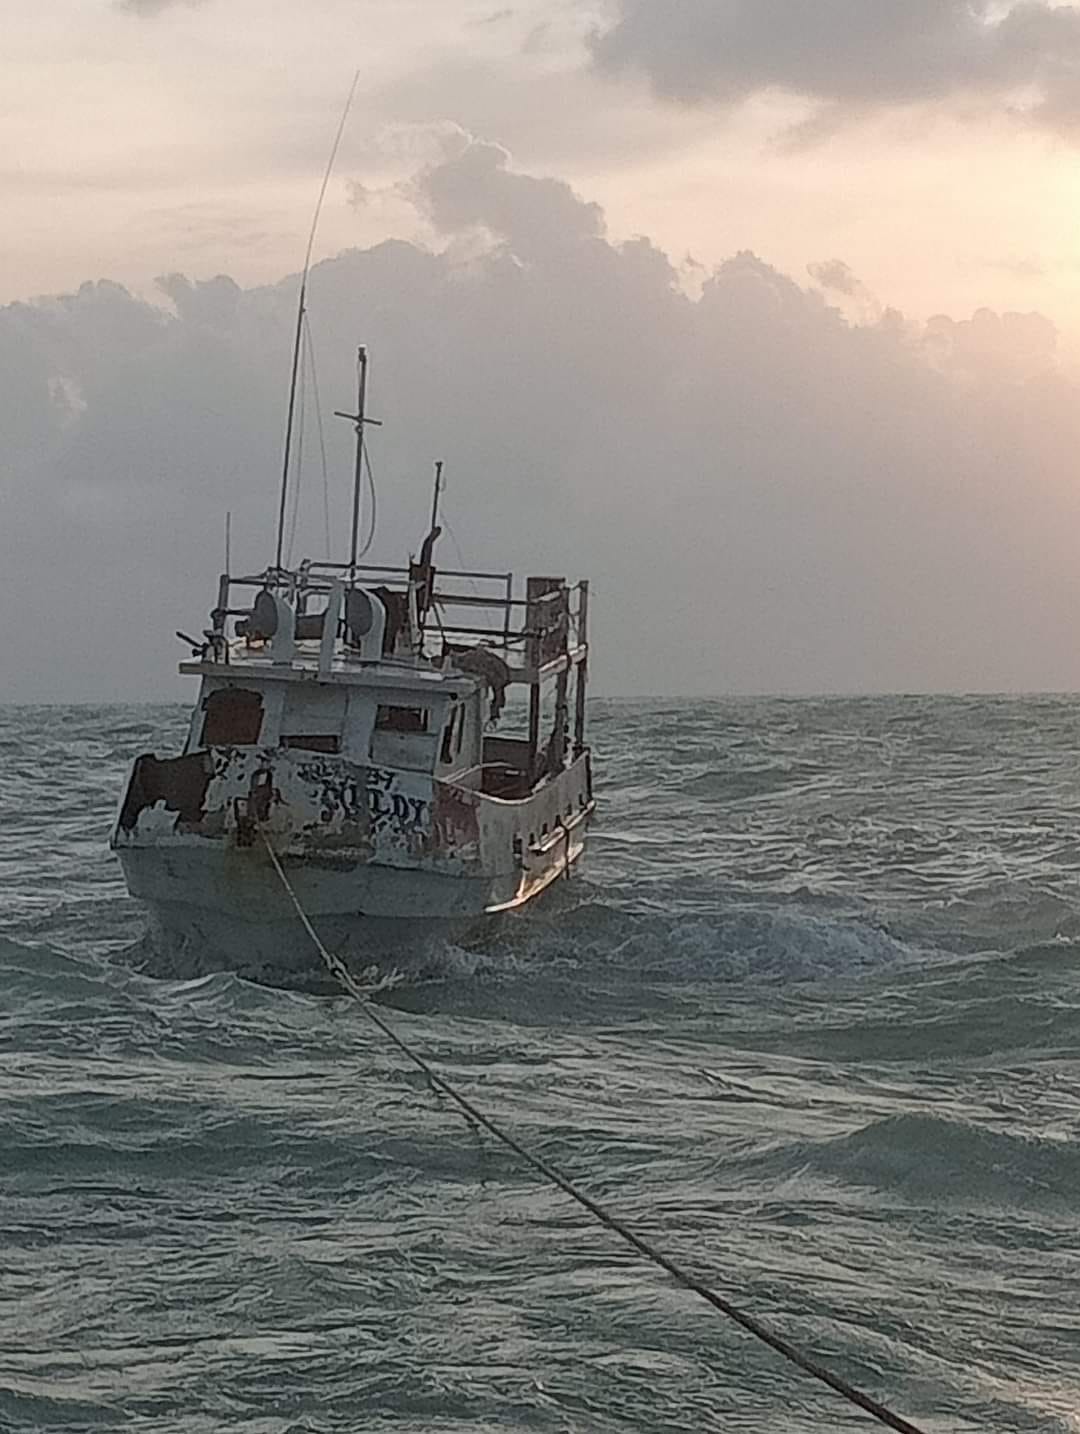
(547, 626)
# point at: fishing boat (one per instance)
(405, 744)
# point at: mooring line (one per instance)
(343, 976)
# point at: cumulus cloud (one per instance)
(835, 275)
(852, 56)
(477, 187)
(843, 286)
(769, 493)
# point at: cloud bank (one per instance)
(769, 495)
(851, 56)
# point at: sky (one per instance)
(763, 315)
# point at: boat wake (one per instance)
(581, 944)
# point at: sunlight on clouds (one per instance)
(860, 501)
(139, 142)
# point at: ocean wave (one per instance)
(747, 944)
(32, 958)
(44, 984)
(27, 1408)
(943, 1162)
(740, 784)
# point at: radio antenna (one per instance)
(439, 485)
(301, 310)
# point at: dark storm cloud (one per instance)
(859, 55)
(768, 494)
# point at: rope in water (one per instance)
(344, 977)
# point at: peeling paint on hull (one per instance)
(381, 860)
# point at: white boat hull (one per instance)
(190, 940)
(385, 864)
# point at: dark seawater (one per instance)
(810, 1018)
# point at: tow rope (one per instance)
(476, 1117)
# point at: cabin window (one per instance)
(401, 719)
(312, 718)
(406, 736)
(313, 742)
(233, 718)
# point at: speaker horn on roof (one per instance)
(264, 618)
(365, 623)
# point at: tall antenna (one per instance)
(435, 496)
(301, 309)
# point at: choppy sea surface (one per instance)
(809, 1018)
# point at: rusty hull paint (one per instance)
(316, 807)
(326, 814)
(455, 824)
(179, 782)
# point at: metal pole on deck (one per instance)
(583, 668)
(435, 496)
(535, 589)
(361, 399)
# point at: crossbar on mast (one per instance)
(359, 420)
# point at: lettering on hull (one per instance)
(326, 811)
(314, 803)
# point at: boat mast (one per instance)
(361, 403)
(301, 309)
(359, 420)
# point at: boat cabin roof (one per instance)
(415, 628)
(344, 672)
